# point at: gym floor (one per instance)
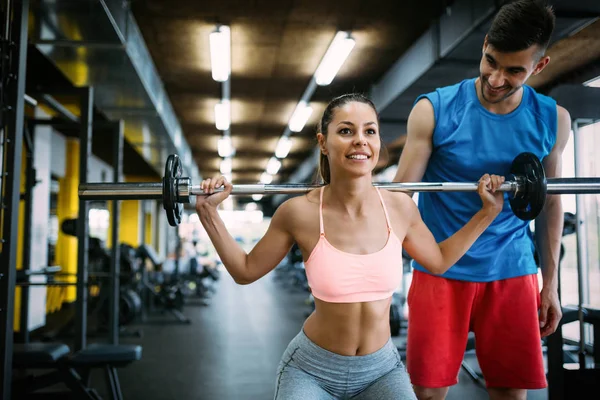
(232, 347)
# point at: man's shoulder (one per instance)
(540, 97)
(456, 88)
(449, 97)
(542, 107)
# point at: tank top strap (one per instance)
(387, 218)
(322, 230)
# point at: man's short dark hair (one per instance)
(521, 24)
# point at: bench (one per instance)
(72, 369)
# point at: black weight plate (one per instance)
(529, 202)
(173, 171)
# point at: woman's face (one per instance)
(352, 142)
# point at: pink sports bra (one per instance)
(339, 277)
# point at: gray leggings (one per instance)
(307, 371)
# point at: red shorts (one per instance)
(503, 315)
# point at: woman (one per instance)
(351, 237)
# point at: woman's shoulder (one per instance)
(399, 201)
(296, 207)
(396, 197)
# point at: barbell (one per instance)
(527, 188)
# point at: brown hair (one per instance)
(340, 101)
(522, 24)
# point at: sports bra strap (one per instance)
(387, 218)
(322, 230)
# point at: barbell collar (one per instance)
(183, 190)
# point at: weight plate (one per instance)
(173, 171)
(529, 201)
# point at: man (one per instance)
(455, 134)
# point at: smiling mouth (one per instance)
(358, 157)
(496, 91)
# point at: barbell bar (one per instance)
(154, 191)
(527, 188)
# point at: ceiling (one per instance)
(149, 62)
(276, 48)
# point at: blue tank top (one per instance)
(469, 141)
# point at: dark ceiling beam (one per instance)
(247, 154)
(581, 101)
(576, 14)
(196, 130)
(247, 88)
(216, 171)
(578, 75)
(252, 170)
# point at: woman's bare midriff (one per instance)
(349, 329)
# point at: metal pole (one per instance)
(85, 150)
(573, 185)
(115, 270)
(146, 297)
(15, 30)
(29, 185)
(7, 25)
(58, 107)
(582, 256)
(120, 191)
(154, 190)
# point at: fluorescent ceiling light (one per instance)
(225, 147)
(177, 138)
(223, 115)
(300, 116)
(266, 178)
(273, 166)
(283, 147)
(226, 165)
(220, 53)
(334, 58)
(593, 82)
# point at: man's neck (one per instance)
(505, 106)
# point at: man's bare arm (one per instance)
(418, 147)
(548, 231)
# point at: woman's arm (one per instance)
(437, 258)
(268, 252)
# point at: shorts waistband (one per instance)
(311, 353)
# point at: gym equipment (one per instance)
(572, 374)
(130, 307)
(165, 294)
(528, 188)
(72, 369)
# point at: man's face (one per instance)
(503, 74)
